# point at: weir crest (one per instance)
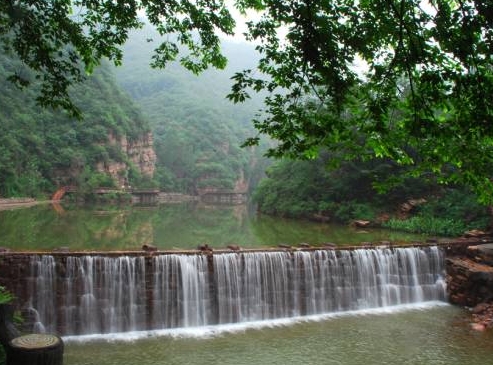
(76, 295)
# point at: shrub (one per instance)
(429, 225)
(5, 296)
(351, 210)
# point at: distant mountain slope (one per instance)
(197, 131)
(42, 148)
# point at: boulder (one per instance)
(475, 233)
(329, 245)
(149, 248)
(204, 247)
(478, 327)
(360, 223)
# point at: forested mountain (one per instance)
(197, 131)
(41, 148)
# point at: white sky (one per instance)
(240, 22)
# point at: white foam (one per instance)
(218, 330)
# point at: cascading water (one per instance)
(180, 290)
(42, 294)
(94, 294)
(89, 294)
(261, 286)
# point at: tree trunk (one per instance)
(35, 349)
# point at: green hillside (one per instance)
(197, 131)
(42, 148)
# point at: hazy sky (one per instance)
(240, 22)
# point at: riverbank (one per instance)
(12, 203)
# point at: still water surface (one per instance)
(438, 334)
(182, 226)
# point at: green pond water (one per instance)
(182, 226)
(426, 336)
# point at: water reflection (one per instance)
(181, 226)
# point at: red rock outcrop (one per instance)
(139, 151)
(470, 283)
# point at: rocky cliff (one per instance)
(138, 152)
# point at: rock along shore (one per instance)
(470, 283)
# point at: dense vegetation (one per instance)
(41, 148)
(404, 80)
(409, 81)
(197, 132)
(56, 38)
(308, 189)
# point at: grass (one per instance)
(445, 227)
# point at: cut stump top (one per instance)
(35, 341)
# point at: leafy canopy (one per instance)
(55, 37)
(408, 80)
(421, 96)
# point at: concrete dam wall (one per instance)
(92, 293)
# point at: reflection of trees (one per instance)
(188, 225)
(270, 231)
(181, 226)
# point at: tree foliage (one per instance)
(64, 39)
(41, 148)
(421, 95)
(308, 189)
(298, 188)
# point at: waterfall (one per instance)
(42, 288)
(180, 292)
(95, 294)
(259, 286)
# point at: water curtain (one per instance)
(96, 294)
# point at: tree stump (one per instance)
(35, 349)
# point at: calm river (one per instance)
(182, 226)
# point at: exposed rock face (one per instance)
(470, 283)
(241, 185)
(139, 151)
